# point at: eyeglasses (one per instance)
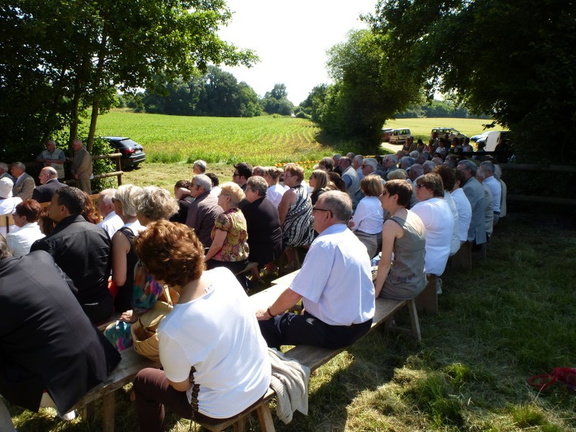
(320, 209)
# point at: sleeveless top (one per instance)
(407, 278)
(123, 299)
(298, 226)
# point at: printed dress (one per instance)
(298, 225)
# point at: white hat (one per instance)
(6, 186)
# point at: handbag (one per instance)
(144, 331)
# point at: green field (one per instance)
(260, 140)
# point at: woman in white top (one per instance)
(368, 217)
(26, 217)
(275, 189)
(438, 220)
(214, 358)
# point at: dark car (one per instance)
(132, 152)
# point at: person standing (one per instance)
(53, 157)
(82, 166)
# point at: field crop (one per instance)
(261, 140)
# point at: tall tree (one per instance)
(81, 51)
(367, 90)
(513, 59)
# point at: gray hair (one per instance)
(156, 203)
(204, 181)
(4, 251)
(52, 173)
(200, 164)
(339, 203)
(488, 166)
(107, 195)
(393, 158)
(258, 185)
(128, 196)
(3, 166)
(427, 167)
(414, 154)
(19, 165)
(417, 169)
(468, 164)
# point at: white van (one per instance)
(491, 139)
(399, 136)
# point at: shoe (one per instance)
(69, 416)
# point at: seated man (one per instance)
(204, 210)
(48, 184)
(47, 342)
(81, 250)
(110, 222)
(335, 284)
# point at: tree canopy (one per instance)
(513, 59)
(58, 57)
(367, 90)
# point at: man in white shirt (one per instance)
(111, 222)
(487, 170)
(335, 285)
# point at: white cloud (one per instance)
(291, 38)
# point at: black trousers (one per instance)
(292, 329)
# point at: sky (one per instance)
(291, 38)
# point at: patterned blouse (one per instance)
(235, 246)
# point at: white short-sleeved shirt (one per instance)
(219, 335)
(111, 223)
(335, 280)
(455, 242)
(20, 240)
(439, 223)
(496, 188)
(369, 216)
(464, 213)
(275, 192)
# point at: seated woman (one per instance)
(318, 182)
(438, 220)
(263, 225)
(275, 189)
(221, 367)
(295, 211)
(123, 255)
(26, 217)
(401, 273)
(229, 246)
(152, 204)
(368, 217)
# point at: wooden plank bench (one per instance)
(123, 374)
(312, 356)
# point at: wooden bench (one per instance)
(123, 374)
(312, 356)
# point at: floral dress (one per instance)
(235, 246)
(145, 294)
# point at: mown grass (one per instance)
(510, 317)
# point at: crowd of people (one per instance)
(404, 213)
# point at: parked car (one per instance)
(386, 132)
(441, 132)
(491, 139)
(132, 152)
(399, 136)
